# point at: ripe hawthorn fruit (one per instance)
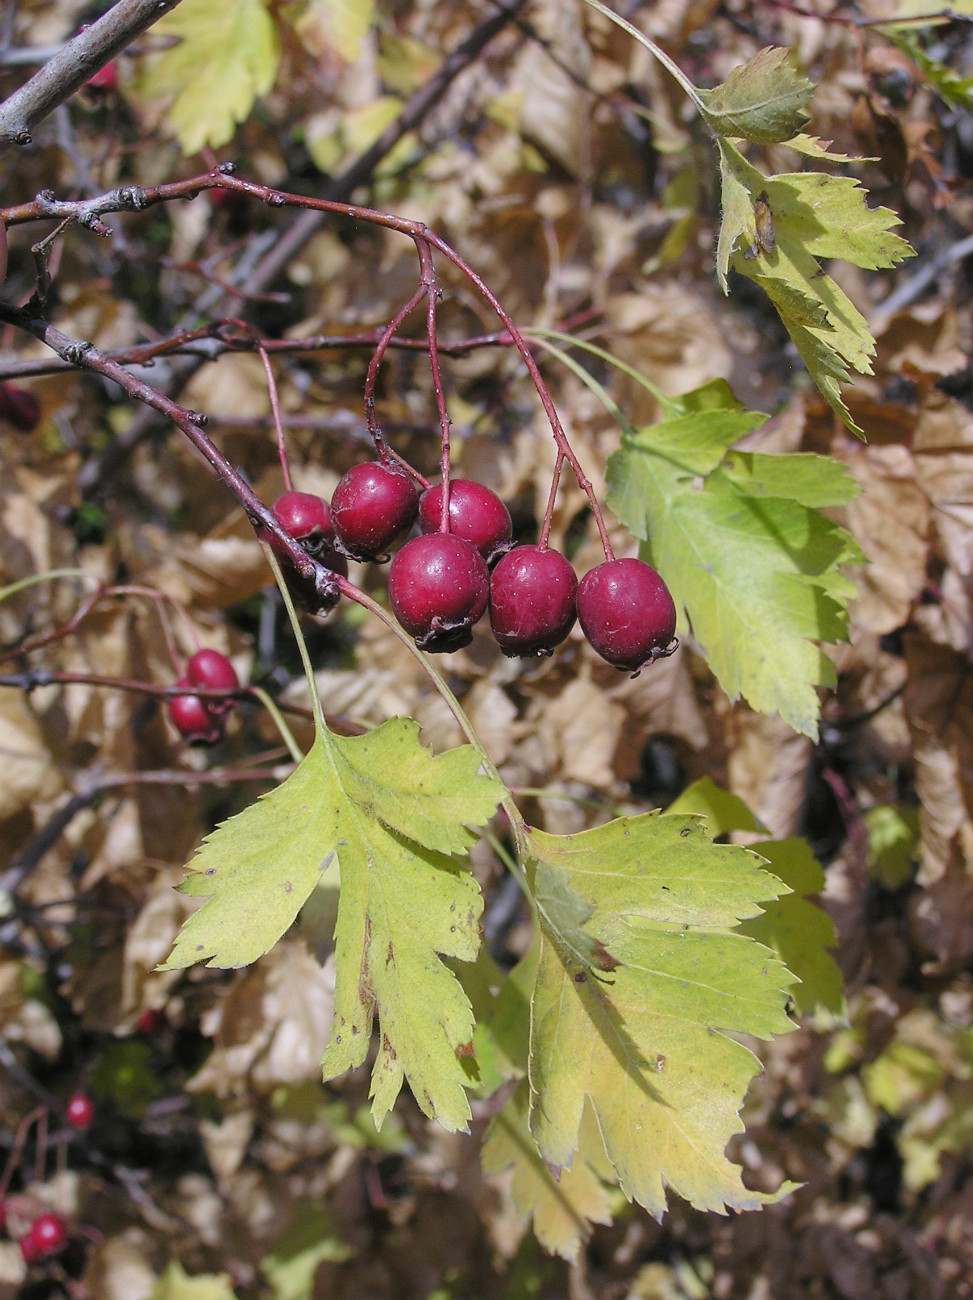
(439, 585)
(475, 513)
(80, 1111)
(372, 506)
(627, 613)
(48, 1234)
(532, 600)
(307, 518)
(211, 670)
(192, 718)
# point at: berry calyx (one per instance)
(372, 506)
(627, 613)
(307, 518)
(80, 1111)
(439, 585)
(475, 513)
(532, 600)
(48, 1234)
(192, 718)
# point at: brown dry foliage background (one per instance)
(567, 169)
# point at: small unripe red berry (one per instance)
(150, 1022)
(104, 81)
(80, 1111)
(49, 1233)
(532, 600)
(19, 408)
(627, 613)
(372, 506)
(192, 719)
(475, 513)
(438, 588)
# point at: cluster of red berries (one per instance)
(197, 719)
(440, 583)
(48, 1232)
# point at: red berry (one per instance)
(438, 586)
(307, 519)
(48, 1233)
(627, 613)
(532, 600)
(372, 506)
(150, 1022)
(80, 1111)
(104, 81)
(475, 513)
(213, 671)
(28, 1248)
(19, 408)
(303, 515)
(192, 719)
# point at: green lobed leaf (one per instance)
(798, 931)
(762, 100)
(176, 1284)
(811, 215)
(811, 480)
(257, 870)
(756, 573)
(310, 1238)
(226, 54)
(561, 1208)
(388, 812)
(647, 1045)
(951, 86)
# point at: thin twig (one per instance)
(74, 63)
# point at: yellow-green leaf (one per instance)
(388, 813)
(761, 101)
(342, 24)
(647, 1043)
(561, 1208)
(225, 54)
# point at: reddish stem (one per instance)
(385, 453)
(552, 497)
(134, 199)
(285, 468)
(427, 277)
